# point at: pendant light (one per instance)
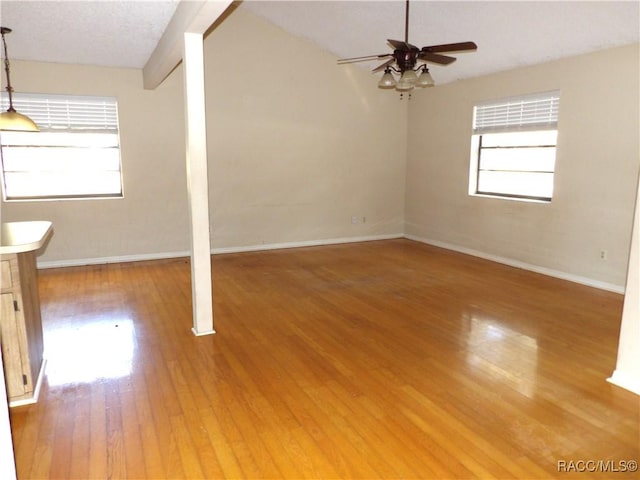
(425, 79)
(12, 120)
(387, 80)
(407, 81)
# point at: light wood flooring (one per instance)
(388, 359)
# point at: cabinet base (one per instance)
(31, 397)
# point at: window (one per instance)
(513, 147)
(76, 154)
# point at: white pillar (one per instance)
(197, 183)
(627, 372)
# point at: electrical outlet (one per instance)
(354, 219)
(604, 255)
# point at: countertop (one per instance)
(19, 237)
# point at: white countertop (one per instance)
(18, 237)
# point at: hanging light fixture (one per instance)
(387, 80)
(12, 120)
(425, 79)
(406, 56)
(408, 80)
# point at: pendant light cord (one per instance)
(9, 89)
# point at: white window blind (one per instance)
(76, 153)
(67, 113)
(528, 112)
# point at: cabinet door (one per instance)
(5, 274)
(10, 341)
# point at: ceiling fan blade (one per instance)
(384, 65)
(363, 59)
(399, 45)
(451, 47)
(436, 58)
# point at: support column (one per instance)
(627, 372)
(198, 183)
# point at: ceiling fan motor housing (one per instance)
(406, 59)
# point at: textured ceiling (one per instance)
(508, 34)
(107, 33)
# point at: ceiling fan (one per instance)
(406, 56)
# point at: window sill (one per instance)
(515, 199)
(61, 199)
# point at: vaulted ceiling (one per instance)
(124, 33)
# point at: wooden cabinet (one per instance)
(21, 339)
(21, 327)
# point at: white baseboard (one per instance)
(115, 259)
(306, 243)
(525, 266)
(202, 334)
(36, 390)
(215, 251)
(334, 241)
(623, 380)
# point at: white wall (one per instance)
(292, 155)
(7, 459)
(627, 372)
(297, 144)
(596, 170)
(150, 219)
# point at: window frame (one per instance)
(74, 116)
(525, 113)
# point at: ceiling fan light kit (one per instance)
(425, 79)
(408, 79)
(12, 120)
(404, 58)
(387, 80)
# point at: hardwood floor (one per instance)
(386, 359)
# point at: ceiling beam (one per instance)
(191, 16)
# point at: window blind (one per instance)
(528, 112)
(67, 113)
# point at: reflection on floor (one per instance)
(492, 352)
(93, 350)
